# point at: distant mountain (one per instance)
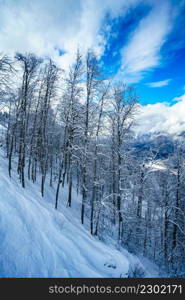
(159, 145)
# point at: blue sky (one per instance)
(140, 42)
(165, 79)
(173, 72)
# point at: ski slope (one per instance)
(38, 241)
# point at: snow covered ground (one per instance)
(38, 241)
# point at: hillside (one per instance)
(38, 241)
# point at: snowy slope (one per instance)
(38, 241)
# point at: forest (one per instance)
(75, 129)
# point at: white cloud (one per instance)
(180, 98)
(161, 117)
(142, 53)
(42, 26)
(157, 84)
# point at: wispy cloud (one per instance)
(158, 84)
(45, 26)
(180, 98)
(142, 53)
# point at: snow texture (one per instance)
(38, 241)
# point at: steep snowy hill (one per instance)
(38, 241)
